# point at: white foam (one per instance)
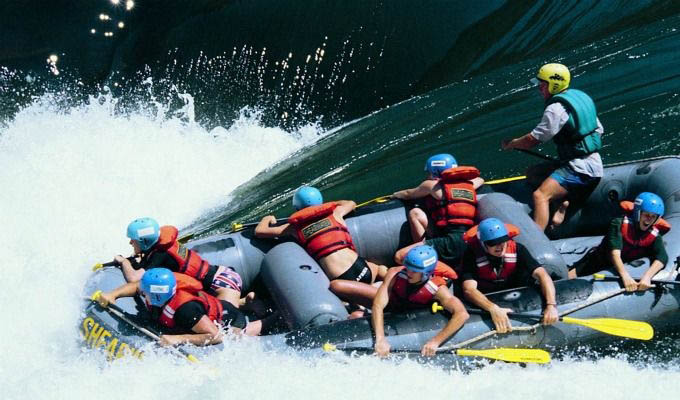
(70, 182)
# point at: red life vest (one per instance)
(406, 295)
(319, 232)
(189, 289)
(635, 243)
(189, 262)
(458, 205)
(489, 279)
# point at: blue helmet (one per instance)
(144, 231)
(159, 284)
(306, 196)
(438, 163)
(648, 202)
(492, 231)
(421, 259)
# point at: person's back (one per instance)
(321, 230)
(450, 207)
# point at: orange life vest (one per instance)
(635, 243)
(488, 279)
(319, 232)
(458, 205)
(188, 261)
(189, 289)
(406, 295)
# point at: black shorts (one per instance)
(358, 272)
(232, 316)
(594, 261)
(450, 247)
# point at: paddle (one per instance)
(537, 356)
(536, 154)
(118, 312)
(237, 226)
(603, 277)
(99, 266)
(612, 326)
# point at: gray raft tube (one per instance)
(409, 331)
(620, 182)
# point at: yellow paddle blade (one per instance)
(537, 356)
(380, 199)
(97, 266)
(236, 226)
(95, 295)
(328, 347)
(617, 327)
(436, 307)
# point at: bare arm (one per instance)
(425, 188)
(344, 207)
(127, 290)
(477, 182)
(628, 282)
(550, 315)
(265, 230)
(207, 333)
(646, 280)
(523, 142)
(458, 317)
(382, 298)
(498, 315)
(130, 274)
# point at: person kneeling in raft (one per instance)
(178, 302)
(450, 206)
(321, 230)
(493, 262)
(157, 247)
(420, 281)
(635, 235)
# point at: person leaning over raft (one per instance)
(320, 228)
(178, 302)
(158, 247)
(451, 201)
(635, 235)
(493, 262)
(421, 280)
(570, 120)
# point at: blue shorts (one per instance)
(572, 180)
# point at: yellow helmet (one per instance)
(557, 76)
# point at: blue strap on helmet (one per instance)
(439, 163)
(307, 196)
(648, 202)
(144, 231)
(421, 259)
(159, 285)
(492, 231)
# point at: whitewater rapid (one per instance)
(71, 179)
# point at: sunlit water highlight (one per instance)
(71, 179)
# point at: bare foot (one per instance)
(558, 217)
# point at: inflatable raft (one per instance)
(314, 318)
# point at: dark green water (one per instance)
(633, 76)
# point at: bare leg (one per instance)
(378, 271)
(558, 217)
(354, 292)
(418, 222)
(549, 191)
(572, 273)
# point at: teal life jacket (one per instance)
(578, 137)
